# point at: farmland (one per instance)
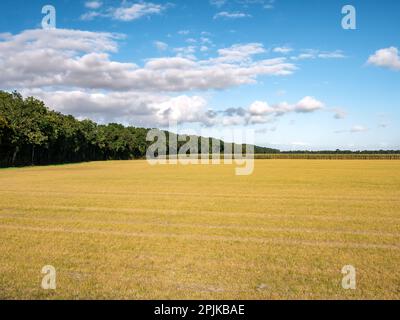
(127, 230)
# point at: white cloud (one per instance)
(260, 108)
(218, 3)
(186, 52)
(304, 56)
(240, 52)
(270, 5)
(339, 113)
(265, 130)
(283, 50)
(308, 104)
(314, 54)
(162, 46)
(265, 4)
(70, 41)
(73, 71)
(338, 54)
(205, 40)
(386, 58)
(183, 32)
(232, 121)
(5, 35)
(261, 112)
(90, 15)
(359, 128)
(70, 58)
(231, 15)
(134, 108)
(155, 109)
(354, 129)
(93, 4)
(136, 11)
(181, 109)
(126, 12)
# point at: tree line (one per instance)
(32, 134)
(394, 155)
(343, 152)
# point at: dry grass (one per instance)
(125, 230)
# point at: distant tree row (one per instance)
(344, 152)
(395, 155)
(31, 134)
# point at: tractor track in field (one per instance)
(202, 225)
(210, 195)
(272, 241)
(300, 216)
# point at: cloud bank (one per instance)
(73, 72)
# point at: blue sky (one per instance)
(284, 68)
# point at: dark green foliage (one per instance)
(6, 136)
(31, 134)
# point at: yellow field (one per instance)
(125, 230)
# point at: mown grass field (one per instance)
(125, 230)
